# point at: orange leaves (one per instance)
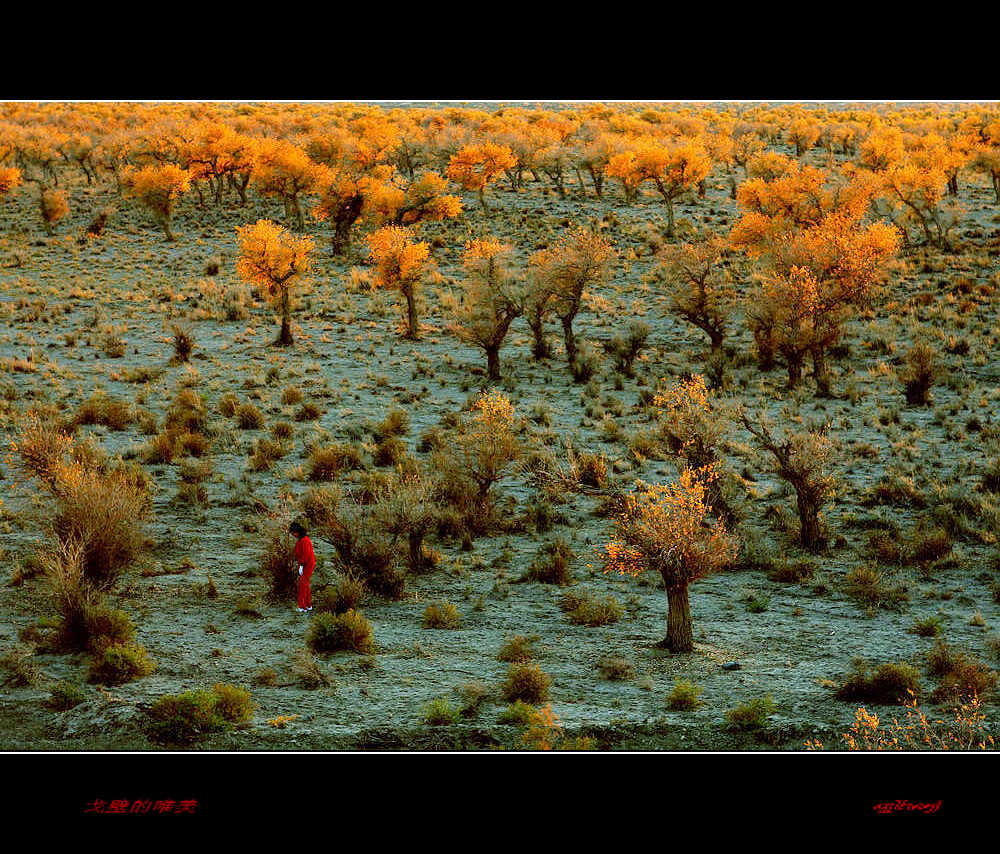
(10, 179)
(157, 186)
(270, 257)
(578, 258)
(423, 200)
(664, 528)
(283, 169)
(476, 166)
(495, 412)
(881, 149)
(400, 261)
(673, 167)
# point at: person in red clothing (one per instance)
(306, 560)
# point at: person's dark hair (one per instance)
(296, 528)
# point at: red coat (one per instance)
(304, 555)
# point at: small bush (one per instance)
(348, 631)
(931, 545)
(233, 704)
(390, 451)
(527, 682)
(792, 571)
(959, 676)
(118, 663)
(927, 627)
(228, 404)
(615, 669)
(396, 423)
(182, 719)
(891, 684)
(20, 666)
(308, 412)
(439, 712)
(516, 649)
(66, 695)
(551, 565)
(291, 396)
(276, 558)
(592, 470)
(183, 342)
(869, 587)
(752, 715)
(584, 609)
(342, 596)
(517, 713)
(442, 615)
(249, 417)
(684, 696)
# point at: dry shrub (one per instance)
(105, 409)
(919, 373)
(342, 596)
(41, 444)
(348, 631)
(118, 663)
(552, 564)
(183, 338)
(277, 557)
(516, 649)
(890, 684)
(960, 677)
(104, 512)
(872, 589)
(585, 609)
(442, 615)
(526, 682)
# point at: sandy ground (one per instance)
(351, 360)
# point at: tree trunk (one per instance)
(670, 217)
(413, 332)
(540, 349)
(680, 637)
(794, 369)
(820, 373)
(493, 361)
(416, 543)
(569, 338)
(810, 533)
(285, 336)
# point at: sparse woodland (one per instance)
(615, 426)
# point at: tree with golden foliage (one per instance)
(666, 528)
(672, 168)
(801, 459)
(272, 259)
(341, 200)
(579, 259)
(484, 450)
(10, 180)
(986, 157)
(913, 192)
(818, 261)
(158, 187)
(401, 264)
(803, 133)
(700, 288)
(422, 199)
(284, 170)
(492, 297)
(52, 205)
(475, 167)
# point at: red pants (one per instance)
(305, 595)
